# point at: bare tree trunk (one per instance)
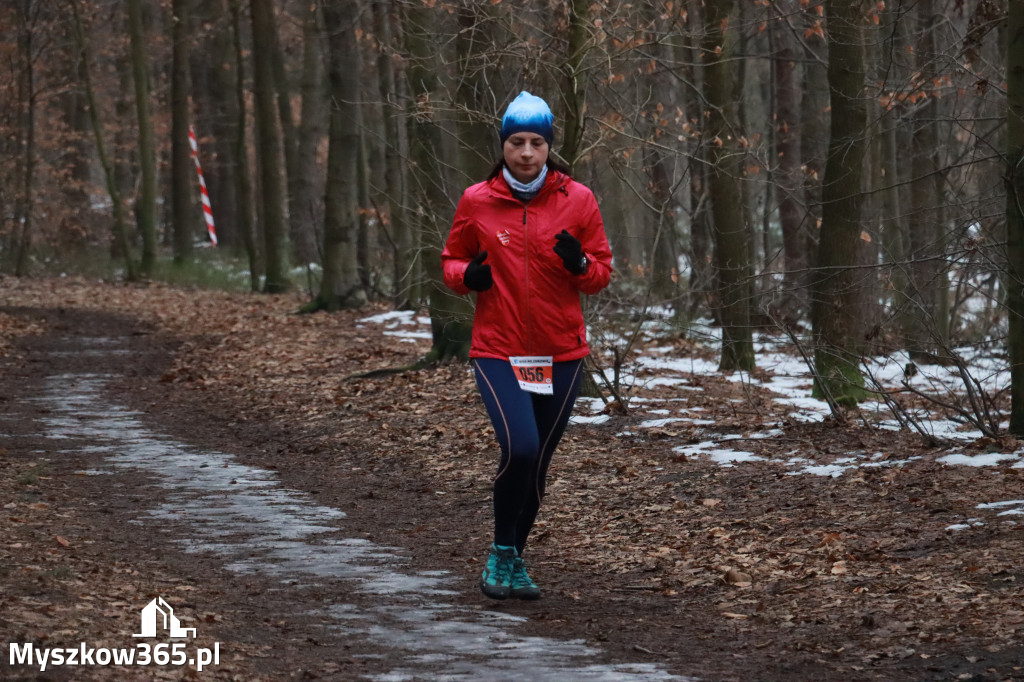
(145, 203)
(288, 134)
(701, 272)
(243, 183)
(893, 222)
(575, 81)
(733, 238)
(836, 291)
(475, 131)
(814, 130)
(27, 204)
(341, 287)
(77, 153)
(122, 142)
(393, 95)
(893, 250)
(183, 210)
(307, 189)
(927, 332)
(450, 316)
(659, 164)
(364, 267)
(268, 138)
(702, 275)
(1015, 213)
(119, 229)
(789, 187)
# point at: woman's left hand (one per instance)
(570, 251)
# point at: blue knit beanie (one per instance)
(528, 114)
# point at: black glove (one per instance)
(571, 252)
(478, 276)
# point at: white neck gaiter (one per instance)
(527, 189)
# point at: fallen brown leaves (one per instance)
(60, 593)
(858, 568)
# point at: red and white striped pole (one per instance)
(207, 206)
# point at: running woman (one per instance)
(529, 240)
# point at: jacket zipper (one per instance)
(526, 261)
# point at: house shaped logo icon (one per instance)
(156, 611)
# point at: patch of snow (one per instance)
(987, 460)
(1005, 503)
(682, 365)
(657, 423)
(410, 335)
(395, 316)
(678, 382)
(828, 470)
(725, 457)
(591, 404)
(596, 419)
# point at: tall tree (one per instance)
(27, 15)
(240, 174)
(120, 230)
(341, 287)
(886, 164)
(306, 191)
(660, 164)
(76, 161)
(574, 92)
(450, 316)
(814, 117)
(734, 251)
(789, 177)
(836, 291)
(929, 287)
(288, 131)
(183, 210)
(268, 144)
(1015, 211)
(145, 203)
(472, 97)
(393, 89)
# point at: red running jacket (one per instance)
(534, 306)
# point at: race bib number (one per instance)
(535, 373)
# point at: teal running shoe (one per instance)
(496, 580)
(522, 586)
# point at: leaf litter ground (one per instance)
(713, 530)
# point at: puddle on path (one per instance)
(246, 518)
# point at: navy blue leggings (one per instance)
(528, 427)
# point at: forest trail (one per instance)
(303, 570)
(331, 538)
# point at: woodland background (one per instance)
(846, 173)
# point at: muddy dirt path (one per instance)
(284, 585)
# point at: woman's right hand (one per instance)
(478, 276)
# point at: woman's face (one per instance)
(525, 155)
